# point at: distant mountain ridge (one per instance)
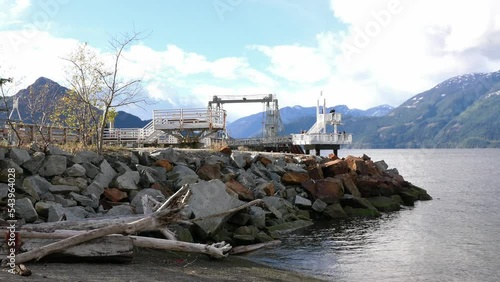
(56, 91)
(295, 119)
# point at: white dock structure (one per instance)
(172, 127)
(317, 137)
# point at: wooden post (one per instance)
(32, 133)
(65, 135)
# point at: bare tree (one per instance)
(7, 110)
(80, 106)
(40, 106)
(102, 88)
(117, 91)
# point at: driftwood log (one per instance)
(107, 229)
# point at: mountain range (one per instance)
(461, 112)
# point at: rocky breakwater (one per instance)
(55, 185)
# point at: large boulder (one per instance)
(36, 186)
(209, 171)
(91, 170)
(334, 211)
(7, 164)
(33, 164)
(107, 174)
(24, 209)
(75, 170)
(169, 154)
(128, 181)
(349, 185)
(79, 182)
(95, 189)
(120, 210)
(302, 202)
(294, 178)
(329, 190)
(63, 189)
(356, 164)
(335, 167)
(137, 200)
(89, 157)
(54, 150)
(384, 204)
(53, 165)
(209, 198)
(243, 192)
(19, 156)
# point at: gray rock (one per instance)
(276, 169)
(54, 150)
(137, 200)
(107, 174)
(64, 202)
(79, 212)
(71, 181)
(239, 159)
(25, 209)
(319, 205)
(290, 193)
(91, 171)
(259, 173)
(84, 200)
(258, 217)
(246, 179)
(335, 211)
(63, 189)
(302, 202)
(95, 188)
(381, 165)
(158, 173)
(35, 186)
(3, 152)
(89, 157)
(214, 159)
(19, 156)
(56, 213)
(120, 167)
(169, 154)
(210, 198)
(179, 171)
(33, 165)
(295, 168)
(134, 160)
(53, 165)
(188, 179)
(240, 219)
(147, 179)
(4, 192)
(42, 207)
(75, 170)
(144, 158)
(258, 190)
(5, 165)
(128, 181)
(120, 210)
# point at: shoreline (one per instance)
(155, 265)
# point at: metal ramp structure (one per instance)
(190, 125)
(272, 124)
(171, 127)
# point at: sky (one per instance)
(361, 53)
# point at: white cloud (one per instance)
(296, 63)
(12, 11)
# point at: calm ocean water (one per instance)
(455, 237)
